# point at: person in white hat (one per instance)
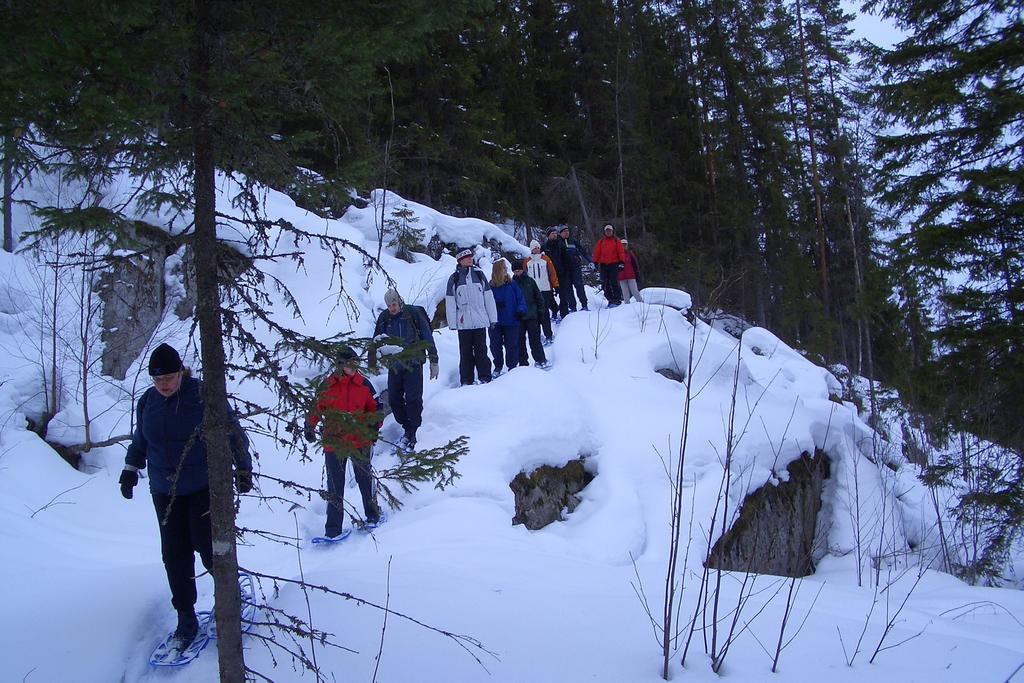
(541, 270)
(629, 275)
(609, 257)
(470, 309)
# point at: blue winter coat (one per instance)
(508, 299)
(410, 325)
(163, 426)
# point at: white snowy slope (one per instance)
(85, 598)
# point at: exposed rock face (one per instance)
(777, 525)
(544, 493)
(673, 374)
(132, 291)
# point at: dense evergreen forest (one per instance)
(863, 203)
(724, 138)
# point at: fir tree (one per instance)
(168, 93)
(950, 98)
(403, 234)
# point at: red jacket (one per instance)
(631, 269)
(609, 250)
(344, 394)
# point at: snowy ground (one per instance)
(85, 598)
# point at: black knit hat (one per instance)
(345, 354)
(163, 361)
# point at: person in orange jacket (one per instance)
(540, 269)
(610, 259)
(348, 410)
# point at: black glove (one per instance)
(243, 481)
(309, 434)
(128, 480)
(620, 266)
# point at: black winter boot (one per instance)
(188, 627)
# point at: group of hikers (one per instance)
(513, 307)
(517, 307)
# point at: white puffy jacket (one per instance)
(469, 303)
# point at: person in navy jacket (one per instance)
(511, 307)
(168, 442)
(404, 324)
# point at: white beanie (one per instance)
(534, 244)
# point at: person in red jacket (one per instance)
(629, 276)
(348, 410)
(610, 259)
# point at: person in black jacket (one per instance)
(535, 308)
(168, 442)
(404, 324)
(558, 251)
(577, 257)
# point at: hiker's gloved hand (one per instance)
(434, 370)
(128, 480)
(309, 434)
(243, 481)
(620, 266)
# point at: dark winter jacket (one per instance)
(531, 294)
(631, 271)
(608, 250)
(346, 394)
(576, 255)
(164, 426)
(469, 303)
(509, 301)
(409, 325)
(559, 255)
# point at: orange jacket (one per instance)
(352, 395)
(552, 275)
(609, 250)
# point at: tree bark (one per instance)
(215, 425)
(579, 198)
(8, 193)
(815, 180)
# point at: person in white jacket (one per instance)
(470, 309)
(540, 269)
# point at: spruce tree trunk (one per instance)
(579, 198)
(818, 217)
(8, 193)
(222, 509)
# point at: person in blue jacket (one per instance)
(169, 443)
(398, 326)
(511, 307)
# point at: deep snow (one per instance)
(85, 597)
